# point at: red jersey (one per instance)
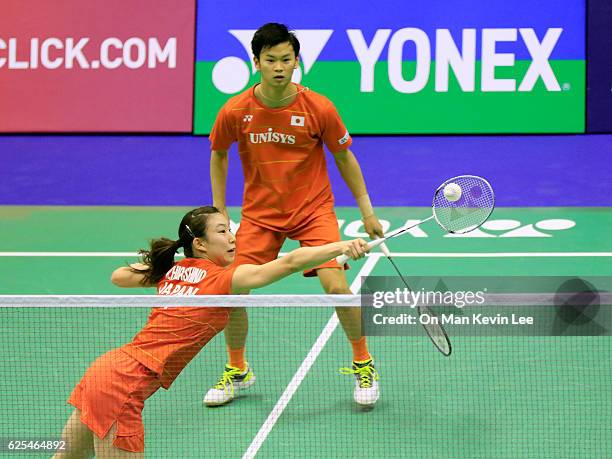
(281, 149)
(173, 336)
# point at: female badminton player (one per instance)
(110, 397)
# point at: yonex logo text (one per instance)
(232, 74)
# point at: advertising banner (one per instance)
(117, 65)
(599, 93)
(469, 66)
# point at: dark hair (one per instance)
(160, 256)
(272, 34)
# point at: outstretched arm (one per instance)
(247, 277)
(351, 173)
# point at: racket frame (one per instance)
(341, 259)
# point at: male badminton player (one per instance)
(280, 128)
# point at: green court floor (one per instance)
(506, 397)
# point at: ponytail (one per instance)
(160, 256)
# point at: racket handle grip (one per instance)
(385, 250)
(341, 259)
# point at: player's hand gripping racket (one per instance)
(460, 205)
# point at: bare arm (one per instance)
(218, 179)
(247, 277)
(125, 276)
(351, 173)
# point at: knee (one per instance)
(238, 314)
(337, 289)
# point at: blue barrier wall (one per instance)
(400, 171)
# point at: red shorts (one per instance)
(258, 245)
(113, 390)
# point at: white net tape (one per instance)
(267, 301)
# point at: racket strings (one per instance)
(469, 211)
